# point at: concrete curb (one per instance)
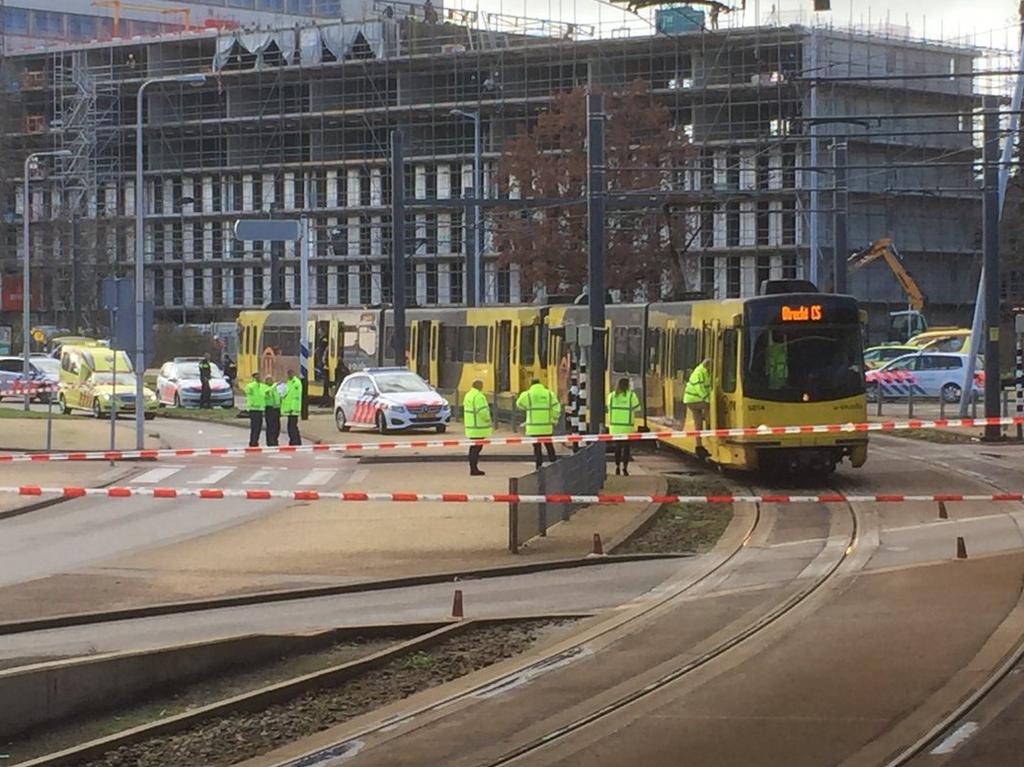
(267, 696)
(641, 519)
(264, 597)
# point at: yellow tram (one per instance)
(813, 340)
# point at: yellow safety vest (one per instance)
(271, 396)
(620, 411)
(292, 402)
(255, 399)
(541, 408)
(698, 387)
(476, 414)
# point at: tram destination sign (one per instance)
(805, 313)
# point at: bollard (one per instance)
(910, 401)
(457, 611)
(878, 389)
(943, 513)
(961, 548)
(598, 546)
(942, 406)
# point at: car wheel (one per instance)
(382, 422)
(950, 393)
(96, 410)
(149, 416)
(339, 419)
(871, 392)
(442, 429)
(63, 405)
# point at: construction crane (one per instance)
(118, 5)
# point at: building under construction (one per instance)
(298, 119)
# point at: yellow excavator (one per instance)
(904, 324)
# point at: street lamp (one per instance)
(196, 78)
(473, 263)
(26, 292)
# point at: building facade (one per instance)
(298, 120)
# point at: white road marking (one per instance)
(153, 476)
(262, 476)
(955, 739)
(318, 477)
(357, 476)
(215, 476)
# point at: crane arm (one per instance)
(884, 249)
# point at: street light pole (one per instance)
(140, 274)
(26, 275)
(474, 275)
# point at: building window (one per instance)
(504, 287)
(365, 237)
(733, 279)
(732, 169)
(456, 245)
(763, 223)
(321, 284)
(158, 287)
(707, 225)
(198, 242)
(788, 222)
(218, 287)
(732, 224)
(301, 7)
(456, 283)
(81, 27)
(158, 242)
(242, 3)
(762, 171)
(366, 286)
(707, 169)
(177, 287)
(789, 267)
(764, 271)
(707, 275)
(341, 284)
(218, 240)
(789, 167)
(47, 24)
(198, 288)
(16, 21)
(257, 285)
(238, 287)
(430, 278)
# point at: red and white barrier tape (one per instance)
(603, 498)
(569, 439)
(29, 388)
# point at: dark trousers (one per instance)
(255, 427)
(204, 394)
(294, 438)
(273, 416)
(474, 456)
(538, 457)
(623, 453)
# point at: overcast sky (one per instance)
(933, 18)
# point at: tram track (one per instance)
(751, 631)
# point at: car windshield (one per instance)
(47, 364)
(400, 383)
(105, 379)
(191, 370)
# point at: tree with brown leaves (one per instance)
(644, 153)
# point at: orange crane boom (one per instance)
(118, 5)
(884, 249)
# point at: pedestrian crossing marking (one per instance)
(318, 477)
(215, 476)
(153, 476)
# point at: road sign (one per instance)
(267, 229)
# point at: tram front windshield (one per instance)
(802, 361)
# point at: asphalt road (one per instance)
(80, 532)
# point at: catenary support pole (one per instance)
(596, 200)
(990, 252)
(305, 244)
(840, 250)
(398, 246)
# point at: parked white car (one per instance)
(924, 374)
(178, 384)
(389, 399)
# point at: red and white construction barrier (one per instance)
(16, 389)
(569, 439)
(604, 498)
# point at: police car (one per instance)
(389, 399)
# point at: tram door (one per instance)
(502, 366)
(423, 341)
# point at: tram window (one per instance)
(619, 344)
(542, 345)
(449, 343)
(481, 345)
(466, 344)
(729, 361)
(527, 344)
(653, 349)
(634, 350)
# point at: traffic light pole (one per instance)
(597, 193)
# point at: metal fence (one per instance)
(581, 473)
